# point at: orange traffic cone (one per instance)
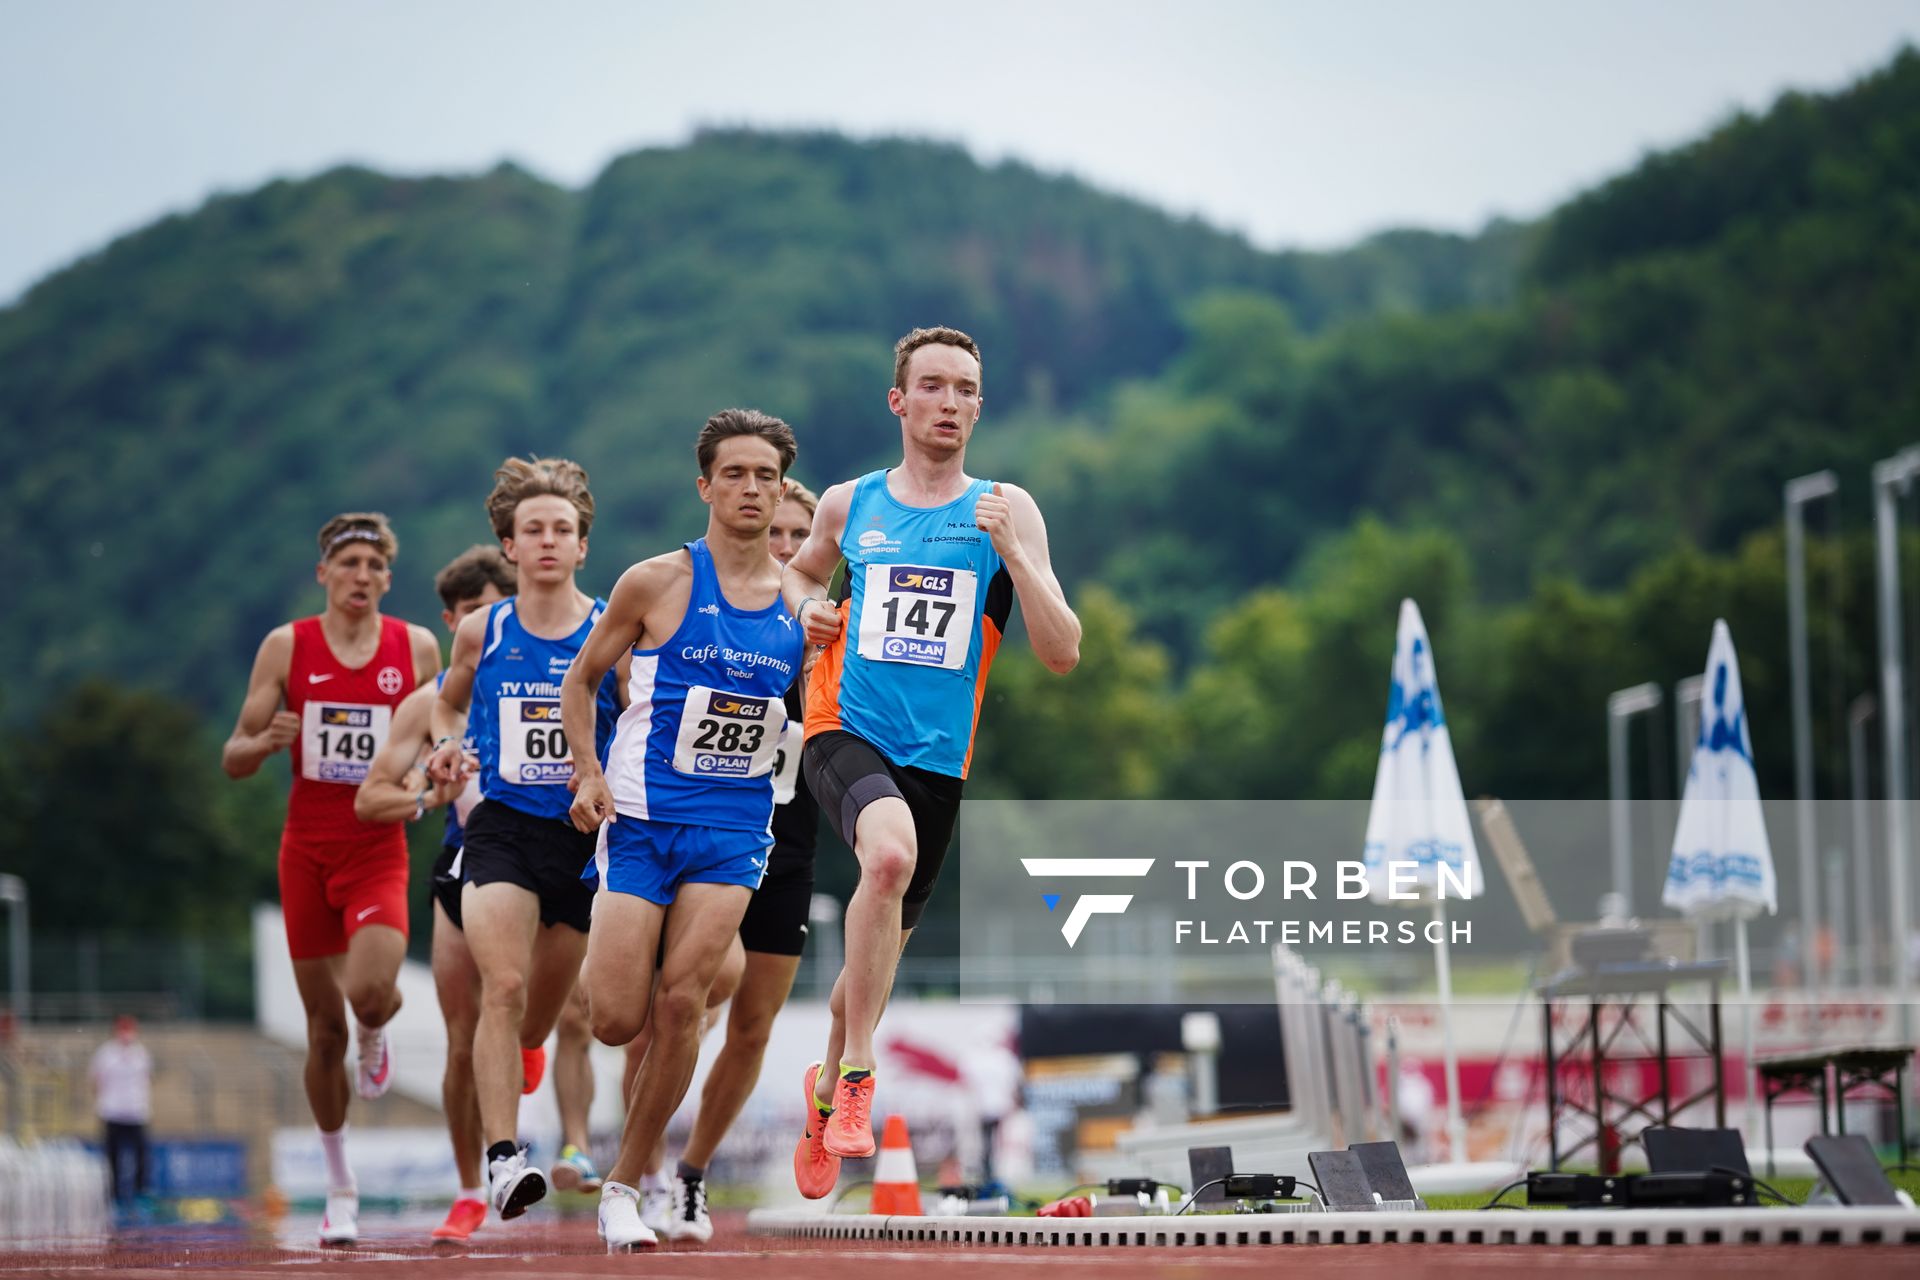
(896, 1183)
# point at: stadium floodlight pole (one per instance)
(1799, 492)
(1688, 693)
(1893, 476)
(13, 892)
(1858, 714)
(1623, 705)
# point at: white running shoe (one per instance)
(620, 1224)
(690, 1219)
(656, 1206)
(513, 1184)
(341, 1225)
(375, 1074)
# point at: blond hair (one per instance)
(792, 490)
(521, 478)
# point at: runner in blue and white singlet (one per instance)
(525, 759)
(522, 905)
(706, 714)
(685, 806)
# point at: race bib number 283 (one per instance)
(728, 735)
(917, 614)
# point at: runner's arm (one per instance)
(396, 787)
(1052, 628)
(622, 625)
(806, 576)
(264, 726)
(426, 654)
(456, 696)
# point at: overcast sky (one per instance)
(1298, 123)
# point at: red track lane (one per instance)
(556, 1248)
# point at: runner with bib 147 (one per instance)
(935, 560)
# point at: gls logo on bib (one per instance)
(732, 704)
(927, 582)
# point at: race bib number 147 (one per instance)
(917, 614)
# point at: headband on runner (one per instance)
(350, 535)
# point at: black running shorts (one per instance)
(847, 774)
(544, 856)
(776, 919)
(446, 882)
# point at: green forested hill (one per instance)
(1684, 339)
(181, 410)
(1565, 439)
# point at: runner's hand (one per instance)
(592, 802)
(281, 731)
(447, 766)
(994, 514)
(821, 621)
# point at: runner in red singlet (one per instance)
(325, 688)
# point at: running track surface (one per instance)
(554, 1247)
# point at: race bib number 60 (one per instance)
(728, 735)
(338, 741)
(533, 746)
(913, 613)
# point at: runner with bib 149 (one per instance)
(935, 559)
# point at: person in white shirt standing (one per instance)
(122, 1074)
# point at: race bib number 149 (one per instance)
(338, 741)
(918, 614)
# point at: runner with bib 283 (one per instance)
(685, 807)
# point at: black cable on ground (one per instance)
(1777, 1194)
(1501, 1194)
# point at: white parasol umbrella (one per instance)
(1722, 866)
(1419, 816)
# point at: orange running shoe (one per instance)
(462, 1220)
(533, 1068)
(815, 1168)
(850, 1129)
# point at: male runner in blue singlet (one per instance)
(935, 559)
(687, 796)
(524, 912)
